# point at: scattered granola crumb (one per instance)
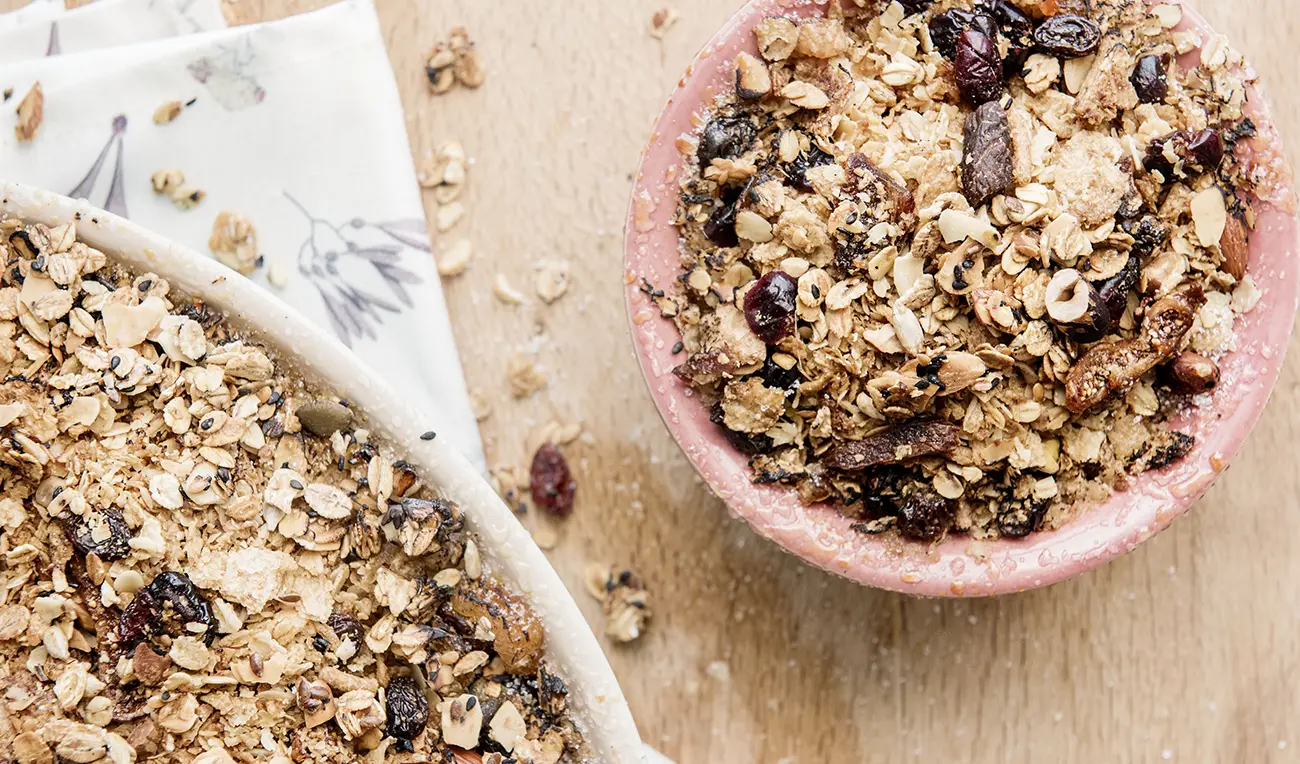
(277, 276)
(187, 197)
(623, 598)
(172, 183)
(525, 375)
(663, 20)
(448, 216)
(454, 260)
(505, 292)
(552, 279)
(168, 112)
(453, 62)
(8, 93)
(445, 171)
(480, 405)
(31, 110)
(234, 242)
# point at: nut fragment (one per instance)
(753, 80)
(234, 242)
(986, 167)
(1235, 245)
(168, 112)
(1076, 306)
(31, 110)
(1192, 374)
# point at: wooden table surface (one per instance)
(1186, 650)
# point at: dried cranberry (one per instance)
(147, 614)
(986, 156)
(408, 708)
(797, 172)
(1068, 36)
(769, 306)
(721, 226)
(1115, 290)
(550, 481)
(81, 532)
(725, 138)
(743, 442)
(1199, 152)
(924, 515)
(346, 626)
(978, 67)
(1149, 79)
(946, 27)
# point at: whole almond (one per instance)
(1235, 244)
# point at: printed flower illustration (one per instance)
(115, 202)
(226, 77)
(357, 269)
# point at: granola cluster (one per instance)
(951, 265)
(204, 561)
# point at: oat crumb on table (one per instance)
(623, 598)
(953, 268)
(31, 110)
(455, 61)
(208, 560)
(662, 20)
(168, 112)
(234, 242)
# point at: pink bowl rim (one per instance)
(959, 566)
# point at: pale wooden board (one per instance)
(1185, 650)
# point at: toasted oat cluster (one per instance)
(951, 265)
(203, 561)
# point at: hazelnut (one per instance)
(1192, 374)
(753, 80)
(1076, 307)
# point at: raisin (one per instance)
(1149, 79)
(923, 514)
(550, 481)
(1179, 445)
(725, 138)
(986, 158)
(1017, 28)
(721, 226)
(747, 444)
(913, 7)
(978, 67)
(1148, 233)
(146, 615)
(1199, 152)
(346, 626)
(1115, 290)
(1022, 518)
(773, 375)
(1244, 129)
(797, 173)
(770, 304)
(408, 708)
(1068, 36)
(81, 532)
(946, 27)
(552, 695)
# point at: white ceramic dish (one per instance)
(599, 706)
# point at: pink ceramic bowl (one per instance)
(960, 566)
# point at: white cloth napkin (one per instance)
(37, 10)
(295, 124)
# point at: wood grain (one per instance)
(1186, 650)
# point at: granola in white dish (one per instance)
(204, 560)
(952, 265)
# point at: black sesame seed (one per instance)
(206, 424)
(470, 703)
(115, 362)
(430, 435)
(678, 347)
(145, 285)
(295, 485)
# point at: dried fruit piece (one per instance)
(1020, 518)
(721, 227)
(770, 306)
(103, 533)
(1192, 374)
(1068, 35)
(913, 7)
(986, 160)
(725, 138)
(1115, 290)
(1112, 367)
(886, 199)
(797, 173)
(978, 67)
(1185, 154)
(407, 707)
(168, 603)
(893, 445)
(924, 515)
(1018, 29)
(1150, 79)
(946, 27)
(743, 442)
(346, 626)
(551, 482)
